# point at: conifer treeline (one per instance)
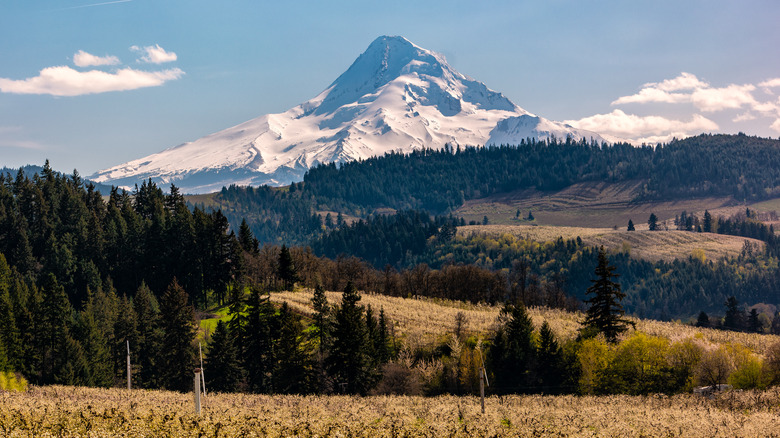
(439, 181)
(53, 224)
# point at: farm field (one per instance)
(87, 412)
(648, 245)
(427, 320)
(590, 204)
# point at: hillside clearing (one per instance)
(423, 321)
(647, 245)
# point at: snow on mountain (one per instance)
(396, 96)
(512, 130)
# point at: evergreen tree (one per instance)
(322, 327)
(125, 331)
(293, 370)
(530, 216)
(703, 320)
(605, 311)
(287, 271)
(259, 354)
(348, 362)
(147, 363)
(513, 356)
(177, 319)
(222, 361)
(72, 367)
(382, 340)
(707, 226)
(734, 319)
(94, 349)
(652, 222)
(321, 315)
(753, 323)
(237, 324)
(550, 367)
(247, 240)
(631, 225)
(52, 336)
(10, 338)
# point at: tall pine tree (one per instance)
(348, 362)
(605, 312)
(222, 362)
(177, 319)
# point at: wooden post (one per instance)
(129, 384)
(196, 391)
(482, 387)
(202, 372)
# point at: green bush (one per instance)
(12, 382)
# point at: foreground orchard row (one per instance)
(77, 412)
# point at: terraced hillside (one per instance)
(648, 245)
(588, 204)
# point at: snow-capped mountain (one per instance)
(512, 130)
(396, 96)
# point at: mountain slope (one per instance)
(396, 96)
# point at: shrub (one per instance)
(12, 382)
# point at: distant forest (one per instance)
(439, 181)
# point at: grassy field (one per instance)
(422, 321)
(649, 245)
(85, 412)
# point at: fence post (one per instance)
(129, 385)
(202, 371)
(196, 391)
(482, 387)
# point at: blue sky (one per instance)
(91, 84)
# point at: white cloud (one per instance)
(744, 117)
(155, 54)
(686, 81)
(701, 94)
(647, 95)
(84, 59)
(65, 81)
(634, 127)
(719, 99)
(687, 88)
(771, 83)
(775, 126)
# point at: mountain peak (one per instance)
(396, 96)
(385, 59)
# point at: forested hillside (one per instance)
(742, 167)
(81, 277)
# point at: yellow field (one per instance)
(59, 411)
(648, 245)
(421, 321)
